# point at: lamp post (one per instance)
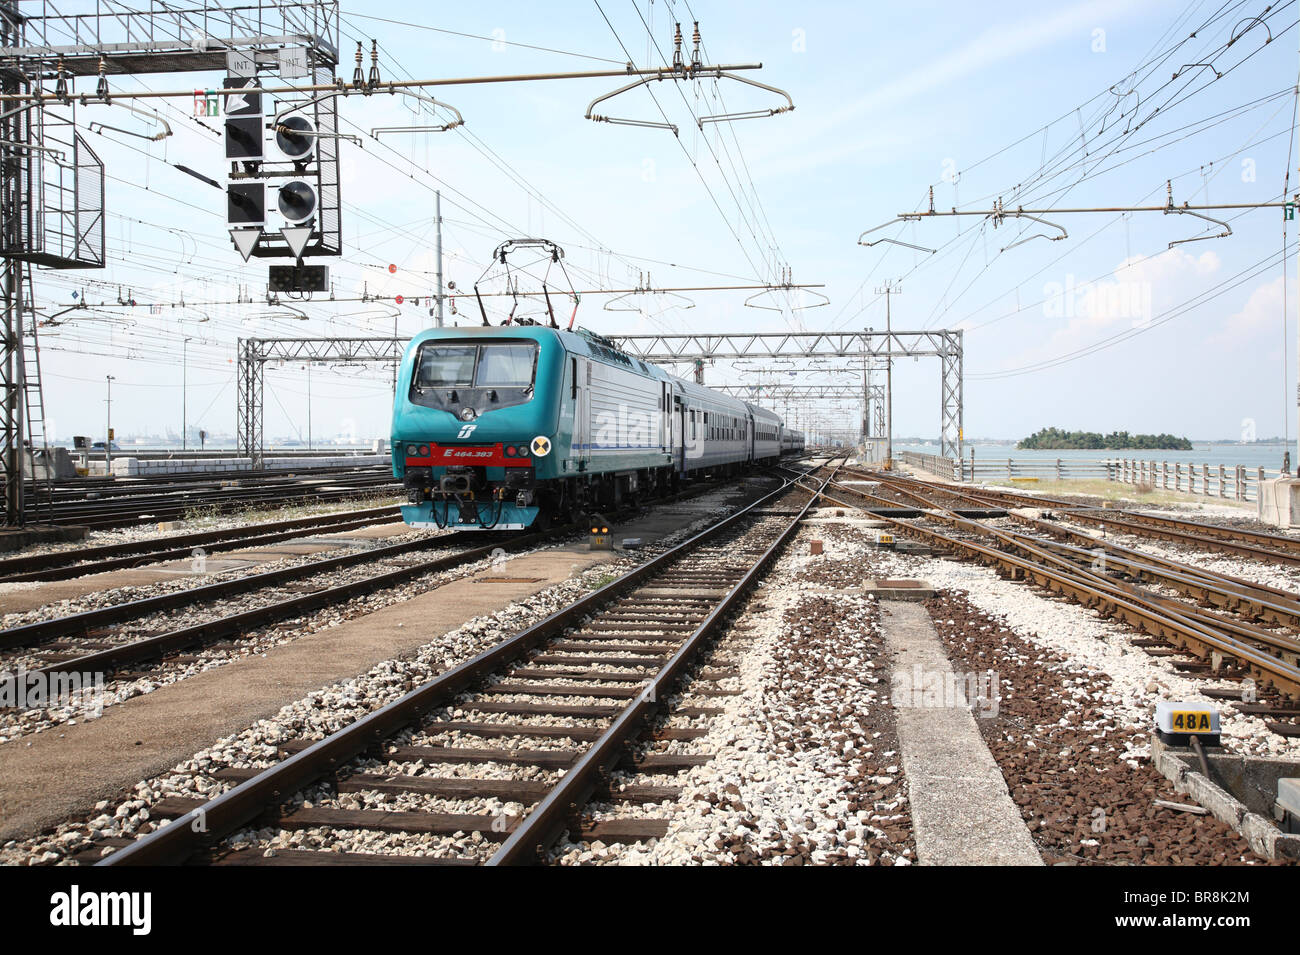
(185, 393)
(108, 426)
(888, 291)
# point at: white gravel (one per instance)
(798, 771)
(328, 710)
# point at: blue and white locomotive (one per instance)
(516, 426)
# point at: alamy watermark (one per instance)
(37, 690)
(1101, 300)
(920, 688)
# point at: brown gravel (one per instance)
(815, 665)
(1064, 757)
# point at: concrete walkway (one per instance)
(962, 813)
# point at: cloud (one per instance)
(1137, 290)
(1263, 315)
(801, 153)
(994, 45)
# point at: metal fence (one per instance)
(1229, 482)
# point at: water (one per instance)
(1267, 456)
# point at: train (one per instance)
(527, 425)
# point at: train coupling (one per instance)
(457, 482)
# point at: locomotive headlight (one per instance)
(466, 414)
(412, 450)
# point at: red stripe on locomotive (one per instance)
(462, 455)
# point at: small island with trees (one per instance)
(1054, 439)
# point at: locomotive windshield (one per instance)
(490, 365)
(505, 365)
(459, 375)
(442, 365)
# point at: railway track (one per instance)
(107, 640)
(124, 505)
(79, 561)
(112, 639)
(1223, 646)
(1239, 542)
(550, 713)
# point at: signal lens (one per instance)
(595, 530)
(604, 530)
(510, 451)
(424, 451)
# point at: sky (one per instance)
(1088, 320)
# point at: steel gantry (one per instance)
(58, 67)
(945, 344)
(254, 353)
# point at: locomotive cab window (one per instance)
(455, 375)
(505, 365)
(442, 365)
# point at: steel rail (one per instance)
(1281, 606)
(121, 511)
(205, 826)
(1213, 530)
(1102, 594)
(64, 565)
(113, 659)
(41, 630)
(126, 486)
(1278, 605)
(548, 819)
(1225, 594)
(1287, 646)
(1264, 546)
(232, 485)
(33, 633)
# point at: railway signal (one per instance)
(297, 202)
(295, 136)
(244, 120)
